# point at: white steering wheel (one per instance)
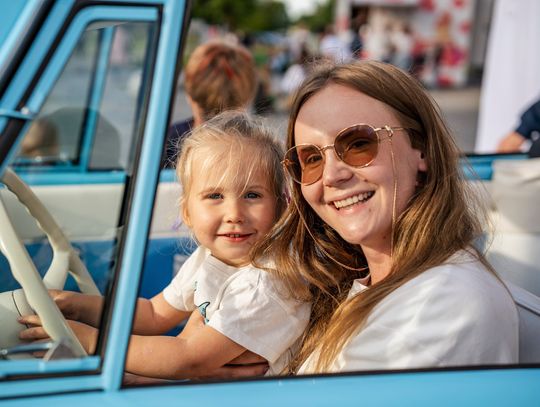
(34, 296)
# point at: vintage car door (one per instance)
(91, 83)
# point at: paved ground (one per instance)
(460, 109)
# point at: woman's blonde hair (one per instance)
(220, 76)
(235, 145)
(440, 218)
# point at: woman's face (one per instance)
(367, 221)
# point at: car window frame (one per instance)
(155, 119)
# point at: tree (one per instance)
(323, 16)
(247, 16)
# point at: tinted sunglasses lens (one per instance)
(304, 163)
(292, 165)
(357, 146)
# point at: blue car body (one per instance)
(38, 38)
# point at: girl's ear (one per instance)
(185, 217)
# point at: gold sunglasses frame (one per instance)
(390, 129)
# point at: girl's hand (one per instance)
(66, 302)
(79, 307)
(86, 334)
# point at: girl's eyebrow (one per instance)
(256, 186)
(210, 190)
(221, 189)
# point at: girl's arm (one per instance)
(156, 316)
(152, 317)
(181, 357)
(202, 355)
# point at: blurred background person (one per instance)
(402, 42)
(515, 141)
(357, 43)
(333, 47)
(41, 141)
(295, 75)
(219, 76)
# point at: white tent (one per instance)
(512, 70)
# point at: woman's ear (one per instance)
(422, 164)
(421, 170)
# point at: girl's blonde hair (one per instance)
(220, 76)
(440, 218)
(236, 146)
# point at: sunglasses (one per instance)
(356, 146)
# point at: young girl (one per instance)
(232, 183)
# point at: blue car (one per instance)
(86, 95)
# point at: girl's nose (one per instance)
(334, 170)
(234, 212)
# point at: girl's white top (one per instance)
(246, 304)
(455, 314)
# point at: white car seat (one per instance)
(515, 249)
(529, 323)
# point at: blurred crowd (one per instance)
(283, 59)
(289, 60)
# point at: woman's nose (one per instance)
(334, 170)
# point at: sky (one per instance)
(295, 8)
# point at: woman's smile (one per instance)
(353, 200)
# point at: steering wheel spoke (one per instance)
(65, 260)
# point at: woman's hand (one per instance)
(86, 334)
(248, 358)
(231, 371)
(131, 379)
(248, 364)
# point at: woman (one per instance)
(380, 233)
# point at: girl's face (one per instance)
(229, 219)
(357, 202)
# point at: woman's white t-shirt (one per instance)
(246, 304)
(456, 314)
